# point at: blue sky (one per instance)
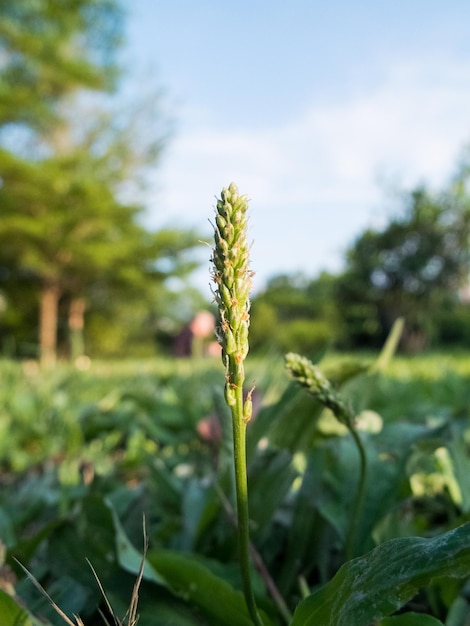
(317, 110)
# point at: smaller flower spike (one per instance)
(311, 377)
(232, 278)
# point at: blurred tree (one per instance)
(49, 53)
(48, 50)
(410, 268)
(295, 313)
(63, 227)
(66, 162)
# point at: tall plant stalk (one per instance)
(232, 277)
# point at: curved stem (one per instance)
(239, 457)
(359, 500)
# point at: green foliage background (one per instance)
(85, 454)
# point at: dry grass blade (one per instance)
(57, 609)
(132, 617)
(103, 593)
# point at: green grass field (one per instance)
(84, 455)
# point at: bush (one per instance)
(305, 336)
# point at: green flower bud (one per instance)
(230, 345)
(221, 221)
(247, 410)
(248, 407)
(316, 383)
(230, 398)
(226, 298)
(243, 337)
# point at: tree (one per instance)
(410, 268)
(49, 53)
(78, 242)
(49, 50)
(295, 313)
(137, 308)
(64, 221)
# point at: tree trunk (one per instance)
(76, 325)
(48, 318)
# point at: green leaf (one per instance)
(458, 612)
(410, 619)
(129, 558)
(13, 615)
(190, 579)
(290, 423)
(270, 477)
(7, 532)
(312, 540)
(461, 471)
(156, 606)
(379, 583)
(68, 594)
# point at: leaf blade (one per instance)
(198, 585)
(377, 584)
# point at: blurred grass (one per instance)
(125, 433)
(416, 375)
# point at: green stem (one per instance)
(241, 486)
(359, 500)
(257, 561)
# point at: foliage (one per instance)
(47, 53)
(411, 268)
(85, 454)
(295, 313)
(382, 581)
(415, 267)
(68, 234)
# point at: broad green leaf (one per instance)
(129, 558)
(25, 549)
(156, 609)
(410, 619)
(387, 455)
(379, 583)
(190, 579)
(458, 612)
(270, 478)
(333, 471)
(461, 470)
(7, 532)
(68, 594)
(11, 614)
(311, 539)
(90, 537)
(290, 423)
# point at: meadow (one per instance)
(92, 461)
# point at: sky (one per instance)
(320, 112)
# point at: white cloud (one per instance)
(313, 182)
